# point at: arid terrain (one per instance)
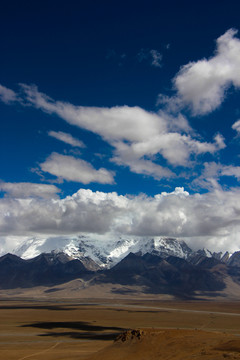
(87, 329)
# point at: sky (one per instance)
(120, 119)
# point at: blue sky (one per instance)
(123, 116)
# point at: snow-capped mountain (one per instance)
(104, 253)
(154, 265)
(107, 253)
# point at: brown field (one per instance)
(85, 329)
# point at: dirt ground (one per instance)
(154, 344)
(66, 330)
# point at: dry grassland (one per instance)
(52, 330)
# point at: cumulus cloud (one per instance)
(72, 169)
(144, 140)
(212, 218)
(179, 214)
(203, 84)
(67, 138)
(23, 190)
(116, 123)
(84, 211)
(135, 134)
(174, 147)
(7, 95)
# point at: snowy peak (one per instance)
(107, 253)
(104, 253)
(165, 247)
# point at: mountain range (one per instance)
(109, 252)
(156, 266)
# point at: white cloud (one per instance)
(85, 211)
(230, 170)
(211, 218)
(236, 126)
(202, 85)
(7, 95)
(26, 190)
(219, 140)
(212, 172)
(174, 147)
(172, 104)
(135, 134)
(67, 138)
(142, 166)
(116, 123)
(177, 123)
(71, 169)
(140, 138)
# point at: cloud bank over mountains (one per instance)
(210, 219)
(161, 145)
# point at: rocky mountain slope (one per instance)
(45, 269)
(149, 272)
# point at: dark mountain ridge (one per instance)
(45, 269)
(154, 274)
